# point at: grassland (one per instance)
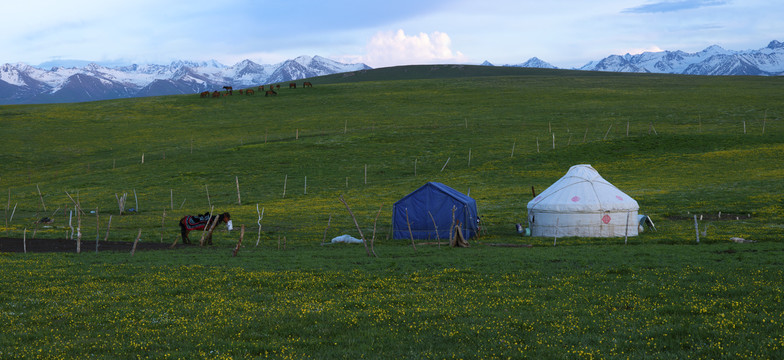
(679, 145)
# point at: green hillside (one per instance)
(679, 145)
(424, 72)
(682, 146)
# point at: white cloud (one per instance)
(397, 48)
(672, 6)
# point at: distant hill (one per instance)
(417, 72)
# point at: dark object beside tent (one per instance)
(439, 200)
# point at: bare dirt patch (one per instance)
(65, 245)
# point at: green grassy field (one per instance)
(680, 145)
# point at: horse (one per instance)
(292, 85)
(249, 92)
(229, 90)
(215, 94)
(198, 222)
(240, 91)
(307, 84)
(261, 87)
(270, 92)
(205, 94)
(278, 86)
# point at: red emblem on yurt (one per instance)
(606, 219)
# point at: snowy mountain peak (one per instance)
(535, 62)
(196, 64)
(93, 67)
(22, 67)
(303, 60)
(245, 62)
(213, 64)
(775, 44)
(714, 49)
(247, 65)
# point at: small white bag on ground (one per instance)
(348, 239)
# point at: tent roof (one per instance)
(582, 190)
(463, 198)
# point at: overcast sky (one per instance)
(565, 33)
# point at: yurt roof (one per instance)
(582, 190)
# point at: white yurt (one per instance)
(584, 204)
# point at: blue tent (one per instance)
(436, 199)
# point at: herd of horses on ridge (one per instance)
(228, 90)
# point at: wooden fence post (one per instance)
(239, 243)
(373, 239)
(261, 215)
(355, 223)
(325, 230)
(5, 215)
(108, 226)
(626, 236)
(97, 229)
(133, 249)
(239, 201)
(438, 238)
(447, 162)
(39, 195)
(163, 221)
(410, 233)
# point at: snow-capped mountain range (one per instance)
(24, 84)
(714, 60)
